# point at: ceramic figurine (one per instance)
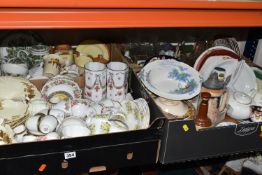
(256, 115)
(215, 85)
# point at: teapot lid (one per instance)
(242, 98)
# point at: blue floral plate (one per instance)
(171, 79)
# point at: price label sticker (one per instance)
(70, 155)
(185, 127)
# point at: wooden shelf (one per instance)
(11, 18)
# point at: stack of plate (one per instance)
(14, 94)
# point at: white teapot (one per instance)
(239, 105)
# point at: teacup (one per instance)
(37, 105)
(74, 131)
(48, 124)
(32, 124)
(64, 106)
(71, 121)
(144, 112)
(29, 138)
(132, 114)
(104, 123)
(19, 129)
(57, 113)
(80, 108)
(52, 65)
(110, 103)
(19, 137)
(97, 107)
(49, 136)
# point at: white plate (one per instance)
(12, 110)
(225, 62)
(17, 88)
(93, 49)
(209, 51)
(61, 85)
(225, 124)
(171, 79)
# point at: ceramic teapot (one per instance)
(239, 105)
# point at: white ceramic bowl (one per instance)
(74, 131)
(71, 121)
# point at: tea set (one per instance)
(24, 54)
(59, 111)
(84, 118)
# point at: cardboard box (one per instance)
(87, 154)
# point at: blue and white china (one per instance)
(171, 79)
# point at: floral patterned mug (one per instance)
(117, 75)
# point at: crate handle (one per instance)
(97, 169)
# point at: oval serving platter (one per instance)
(171, 79)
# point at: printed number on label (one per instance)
(70, 155)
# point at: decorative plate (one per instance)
(214, 51)
(93, 49)
(171, 79)
(159, 57)
(73, 89)
(12, 109)
(17, 88)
